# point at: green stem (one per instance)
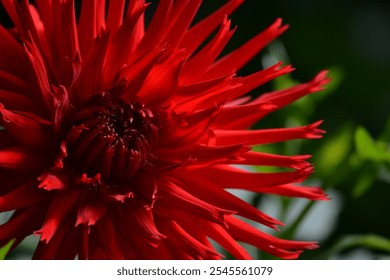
(291, 230)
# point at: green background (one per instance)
(352, 40)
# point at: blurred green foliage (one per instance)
(352, 40)
(350, 155)
(5, 249)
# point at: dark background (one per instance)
(354, 38)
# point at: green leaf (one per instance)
(5, 249)
(365, 180)
(334, 151)
(283, 82)
(370, 241)
(367, 148)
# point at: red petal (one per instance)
(183, 241)
(108, 237)
(22, 223)
(115, 14)
(61, 205)
(238, 58)
(12, 83)
(313, 193)
(65, 49)
(257, 158)
(242, 116)
(13, 57)
(90, 80)
(183, 13)
(14, 101)
(61, 107)
(42, 91)
(198, 64)
(281, 248)
(25, 195)
(83, 248)
(146, 195)
(91, 210)
(201, 154)
(284, 97)
(219, 235)
(45, 8)
(126, 35)
(139, 70)
(209, 97)
(19, 125)
(139, 28)
(197, 34)
(19, 159)
(265, 136)
(232, 177)
(67, 250)
(31, 27)
(154, 32)
(51, 182)
(174, 197)
(207, 189)
(90, 23)
(162, 80)
(140, 222)
(9, 5)
(187, 93)
(50, 250)
(253, 81)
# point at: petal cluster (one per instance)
(121, 139)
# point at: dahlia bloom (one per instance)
(120, 140)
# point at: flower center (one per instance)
(112, 137)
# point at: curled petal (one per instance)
(140, 223)
(242, 55)
(265, 136)
(176, 198)
(257, 158)
(19, 159)
(210, 191)
(221, 236)
(51, 182)
(284, 97)
(162, 80)
(61, 205)
(312, 193)
(90, 211)
(201, 61)
(197, 34)
(268, 243)
(232, 177)
(25, 195)
(15, 101)
(183, 240)
(19, 125)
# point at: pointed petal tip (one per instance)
(312, 246)
(277, 26)
(43, 237)
(313, 132)
(320, 80)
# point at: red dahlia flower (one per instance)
(120, 141)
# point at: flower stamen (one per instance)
(115, 140)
